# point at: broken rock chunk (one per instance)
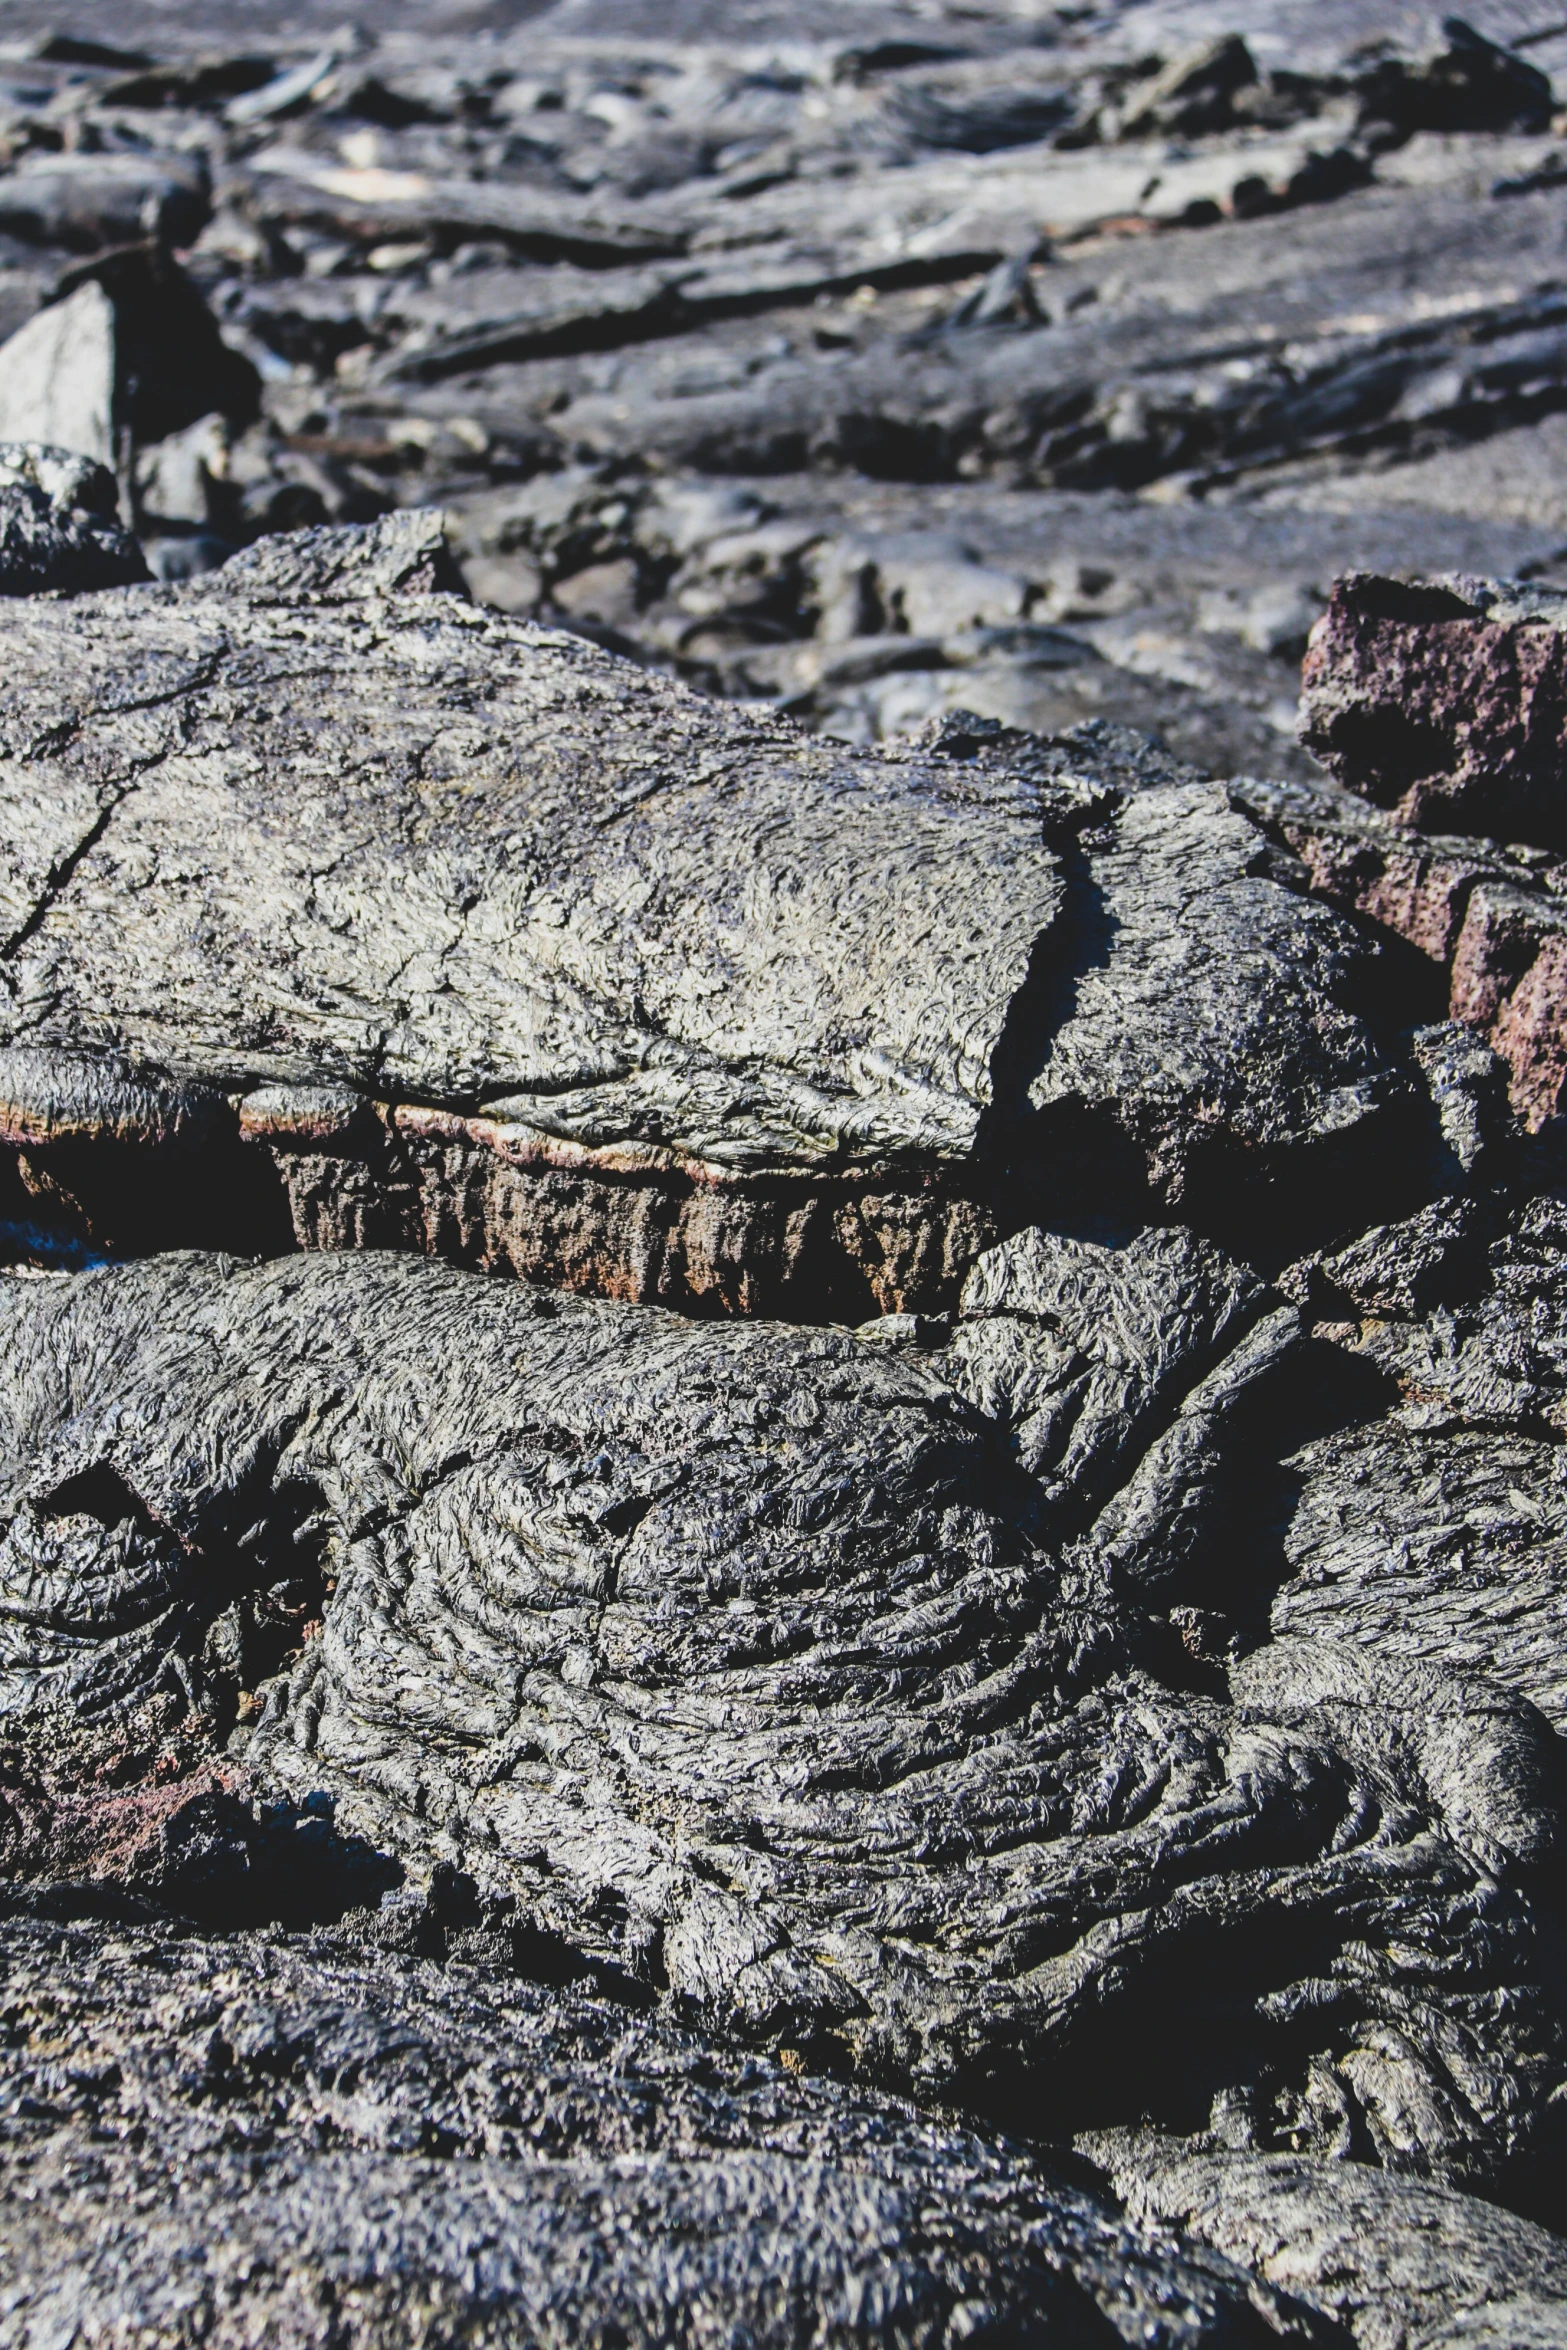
(1181, 1032)
(57, 378)
(1466, 84)
(86, 203)
(1495, 915)
(129, 347)
(59, 524)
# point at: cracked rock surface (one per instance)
(506, 949)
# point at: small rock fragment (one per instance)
(1471, 84)
(1192, 94)
(59, 524)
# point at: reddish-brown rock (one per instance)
(1510, 978)
(1445, 702)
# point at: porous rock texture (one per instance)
(59, 524)
(754, 1665)
(1492, 916)
(338, 905)
(1446, 702)
(330, 2143)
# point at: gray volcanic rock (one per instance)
(1053, 1670)
(1082, 1351)
(1431, 1533)
(732, 1656)
(1039, 261)
(518, 953)
(59, 524)
(127, 354)
(1146, 1387)
(1206, 1007)
(87, 202)
(248, 2138)
(1402, 2264)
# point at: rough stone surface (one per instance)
(519, 953)
(1402, 2265)
(962, 280)
(1494, 915)
(1445, 702)
(1431, 1533)
(230, 2140)
(741, 1660)
(1099, 1659)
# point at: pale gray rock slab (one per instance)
(733, 1657)
(1402, 2264)
(57, 378)
(250, 2136)
(537, 785)
(85, 202)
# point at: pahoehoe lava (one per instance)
(783, 1225)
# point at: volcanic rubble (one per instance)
(783, 1399)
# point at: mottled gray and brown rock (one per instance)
(1494, 915)
(739, 1659)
